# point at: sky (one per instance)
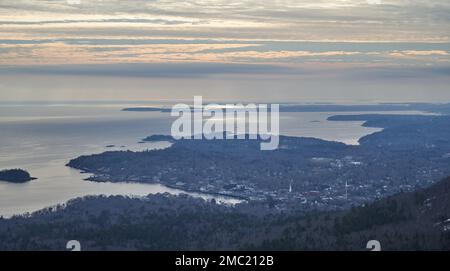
(311, 50)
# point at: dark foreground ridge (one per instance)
(424, 107)
(407, 221)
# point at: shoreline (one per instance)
(171, 186)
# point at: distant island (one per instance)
(156, 138)
(15, 176)
(146, 109)
(411, 152)
(403, 222)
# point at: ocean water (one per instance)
(42, 138)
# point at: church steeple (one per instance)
(346, 190)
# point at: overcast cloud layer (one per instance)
(348, 39)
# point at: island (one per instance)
(15, 176)
(146, 109)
